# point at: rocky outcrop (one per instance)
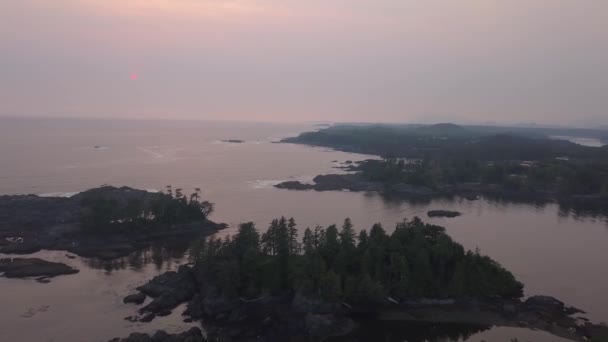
(168, 290)
(295, 185)
(355, 182)
(137, 298)
(274, 318)
(192, 335)
(33, 267)
(443, 213)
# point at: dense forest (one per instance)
(336, 264)
(568, 177)
(441, 155)
(447, 141)
(104, 212)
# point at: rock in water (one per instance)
(443, 213)
(136, 298)
(169, 290)
(33, 267)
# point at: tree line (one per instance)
(102, 212)
(338, 264)
(584, 177)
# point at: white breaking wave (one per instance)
(264, 184)
(150, 152)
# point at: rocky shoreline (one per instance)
(33, 267)
(294, 317)
(192, 335)
(355, 182)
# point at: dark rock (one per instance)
(136, 298)
(443, 213)
(544, 303)
(34, 267)
(169, 290)
(234, 141)
(147, 317)
(28, 247)
(192, 335)
(294, 185)
(194, 309)
(164, 313)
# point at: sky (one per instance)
(468, 61)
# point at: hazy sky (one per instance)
(511, 61)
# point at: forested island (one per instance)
(274, 286)
(447, 159)
(105, 222)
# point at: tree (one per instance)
(416, 259)
(282, 249)
(347, 235)
(330, 287)
(308, 242)
(294, 245)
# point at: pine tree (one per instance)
(347, 235)
(294, 245)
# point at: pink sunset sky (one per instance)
(505, 61)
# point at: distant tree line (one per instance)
(585, 177)
(337, 264)
(446, 141)
(100, 213)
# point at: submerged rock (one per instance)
(33, 267)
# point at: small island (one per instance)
(234, 141)
(443, 213)
(105, 222)
(273, 287)
(33, 267)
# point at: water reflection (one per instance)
(411, 332)
(577, 210)
(162, 254)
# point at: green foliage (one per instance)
(555, 176)
(417, 259)
(106, 212)
(441, 142)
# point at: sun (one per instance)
(133, 77)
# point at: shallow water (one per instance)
(552, 251)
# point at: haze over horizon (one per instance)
(468, 61)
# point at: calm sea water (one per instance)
(553, 252)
